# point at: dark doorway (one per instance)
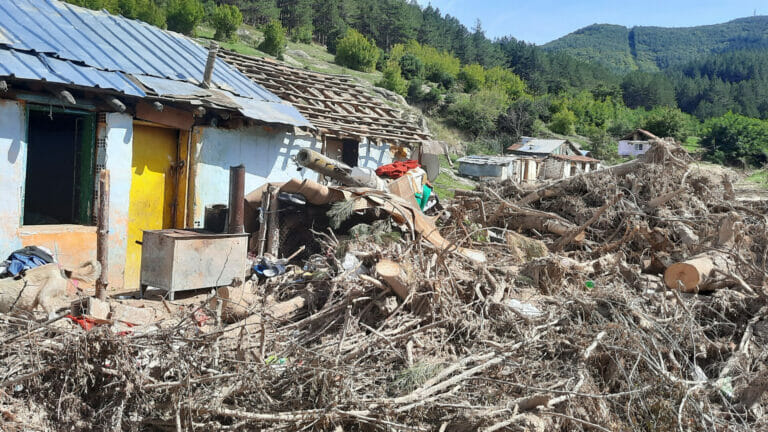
(59, 178)
(350, 150)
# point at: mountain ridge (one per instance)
(654, 48)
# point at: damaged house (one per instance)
(354, 126)
(83, 91)
(555, 158)
(636, 142)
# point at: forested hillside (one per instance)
(657, 48)
(494, 91)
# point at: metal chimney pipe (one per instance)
(213, 50)
(236, 222)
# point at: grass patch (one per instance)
(760, 178)
(444, 184)
(691, 145)
(248, 39)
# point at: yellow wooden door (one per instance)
(152, 190)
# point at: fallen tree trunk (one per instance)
(692, 275)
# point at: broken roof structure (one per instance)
(336, 104)
(639, 134)
(62, 44)
(544, 147)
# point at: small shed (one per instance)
(487, 167)
(636, 142)
(355, 126)
(517, 168)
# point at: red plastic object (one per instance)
(397, 169)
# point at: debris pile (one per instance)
(578, 318)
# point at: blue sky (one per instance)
(541, 21)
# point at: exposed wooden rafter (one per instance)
(336, 104)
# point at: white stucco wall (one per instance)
(372, 155)
(13, 163)
(627, 148)
(119, 144)
(266, 154)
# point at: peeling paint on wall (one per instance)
(119, 153)
(13, 162)
(267, 156)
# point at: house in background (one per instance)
(555, 158)
(558, 166)
(354, 126)
(82, 91)
(636, 142)
(544, 147)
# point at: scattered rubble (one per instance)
(628, 298)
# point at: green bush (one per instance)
(303, 34)
(477, 113)
(184, 15)
(668, 122)
(226, 20)
(356, 52)
(415, 91)
(440, 67)
(274, 39)
(563, 122)
(505, 80)
(393, 80)
(411, 66)
(473, 77)
(736, 139)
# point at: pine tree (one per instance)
(327, 19)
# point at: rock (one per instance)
(390, 95)
(298, 54)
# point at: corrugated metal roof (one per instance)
(487, 160)
(78, 46)
(537, 145)
(28, 66)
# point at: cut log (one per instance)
(692, 275)
(395, 276)
(237, 302)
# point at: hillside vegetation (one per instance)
(657, 48)
(492, 92)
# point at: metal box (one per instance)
(180, 260)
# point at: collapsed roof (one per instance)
(337, 105)
(55, 42)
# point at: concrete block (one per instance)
(132, 315)
(92, 307)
